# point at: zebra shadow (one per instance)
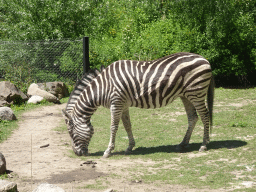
(213, 145)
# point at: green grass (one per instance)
(228, 163)
(98, 185)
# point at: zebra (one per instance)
(142, 84)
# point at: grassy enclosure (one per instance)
(222, 31)
(229, 162)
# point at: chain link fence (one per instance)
(41, 61)
(25, 62)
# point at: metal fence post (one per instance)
(86, 61)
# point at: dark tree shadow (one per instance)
(214, 145)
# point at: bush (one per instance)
(223, 31)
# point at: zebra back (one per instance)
(80, 86)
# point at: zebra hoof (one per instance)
(182, 147)
(127, 152)
(203, 148)
(106, 155)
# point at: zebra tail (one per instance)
(210, 98)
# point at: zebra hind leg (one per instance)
(128, 128)
(204, 114)
(192, 119)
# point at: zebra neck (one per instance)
(83, 112)
(98, 92)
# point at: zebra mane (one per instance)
(81, 85)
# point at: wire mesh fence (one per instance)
(41, 61)
(25, 62)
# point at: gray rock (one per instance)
(2, 164)
(58, 89)
(46, 187)
(7, 186)
(35, 90)
(10, 93)
(35, 99)
(3, 102)
(6, 113)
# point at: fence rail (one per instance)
(41, 61)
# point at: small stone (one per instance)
(89, 162)
(137, 181)
(43, 146)
(109, 190)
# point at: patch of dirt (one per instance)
(240, 103)
(38, 147)
(192, 155)
(75, 175)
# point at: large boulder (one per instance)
(59, 89)
(9, 94)
(46, 187)
(2, 164)
(7, 186)
(35, 90)
(6, 113)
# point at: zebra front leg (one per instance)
(192, 119)
(116, 113)
(128, 128)
(111, 145)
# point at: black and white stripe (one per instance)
(142, 84)
(79, 87)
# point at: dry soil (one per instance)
(36, 153)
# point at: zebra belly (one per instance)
(160, 97)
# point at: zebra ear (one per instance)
(66, 115)
(102, 68)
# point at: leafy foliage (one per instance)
(223, 31)
(227, 32)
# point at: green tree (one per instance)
(37, 20)
(223, 31)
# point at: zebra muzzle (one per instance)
(80, 152)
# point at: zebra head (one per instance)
(80, 140)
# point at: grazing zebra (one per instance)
(143, 84)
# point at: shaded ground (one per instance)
(38, 147)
